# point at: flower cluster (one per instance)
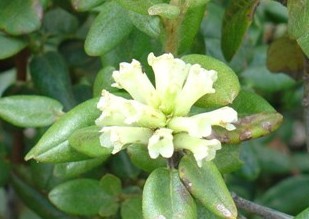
(157, 116)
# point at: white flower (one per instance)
(117, 137)
(120, 111)
(170, 75)
(202, 149)
(199, 82)
(157, 116)
(200, 125)
(161, 142)
(131, 78)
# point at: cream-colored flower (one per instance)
(157, 115)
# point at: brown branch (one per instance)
(260, 210)
(306, 99)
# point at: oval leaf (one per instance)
(10, 46)
(51, 76)
(81, 116)
(81, 197)
(30, 111)
(303, 215)
(132, 209)
(20, 16)
(73, 169)
(140, 157)
(165, 196)
(227, 85)
(103, 36)
(138, 6)
(86, 141)
(207, 185)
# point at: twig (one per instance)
(254, 208)
(306, 99)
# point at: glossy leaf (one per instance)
(86, 141)
(73, 169)
(227, 85)
(132, 209)
(30, 110)
(79, 197)
(85, 5)
(20, 16)
(103, 36)
(140, 157)
(237, 19)
(285, 55)
(294, 189)
(207, 185)
(233, 162)
(150, 25)
(81, 116)
(165, 196)
(50, 75)
(138, 6)
(298, 23)
(10, 46)
(35, 200)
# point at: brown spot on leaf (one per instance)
(245, 135)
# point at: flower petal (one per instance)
(223, 117)
(199, 82)
(131, 78)
(117, 137)
(202, 149)
(170, 75)
(122, 112)
(161, 142)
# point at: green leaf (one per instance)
(111, 185)
(85, 5)
(298, 23)
(303, 215)
(51, 76)
(140, 157)
(249, 127)
(73, 169)
(80, 197)
(30, 111)
(248, 103)
(132, 209)
(138, 6)
(42, 176)
(190, 26)
(227, 159)
(86, 141)
(294, 189)
(109, 28)
(104, 80)
(58, 22)
(81, 116)
(165, 196)
(227, 85)
(284, 55)
(204, 213)
(237, 19)
(10, 46)
(150, 25)
(20, 16)
(164, 10)
(207, 185)
(35, 200)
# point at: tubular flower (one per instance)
(157, 115)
